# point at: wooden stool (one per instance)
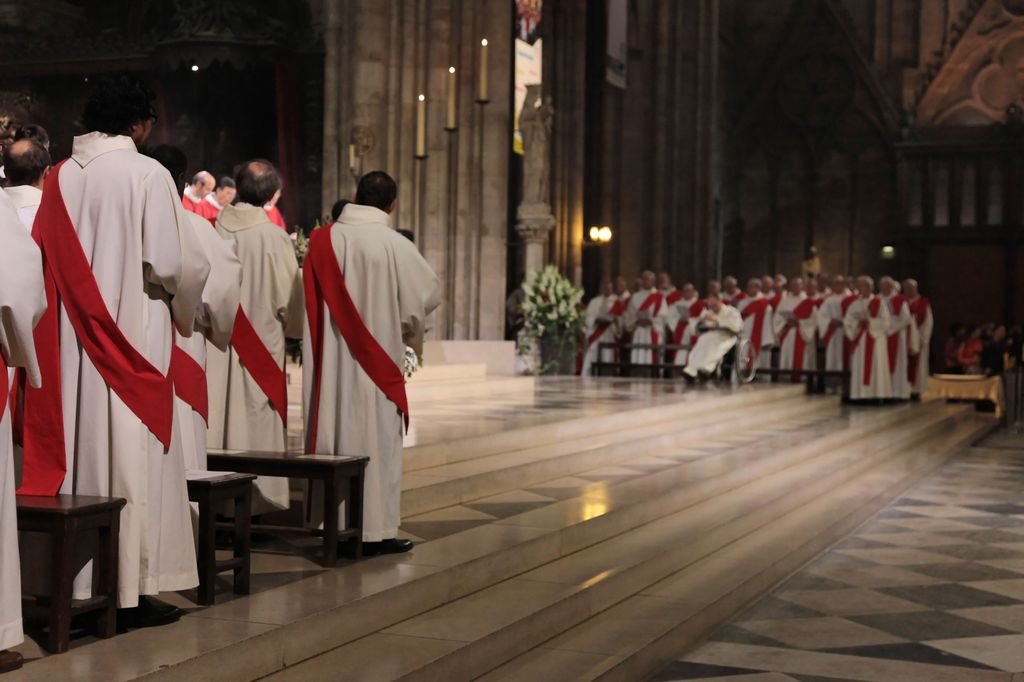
(213, 494)
(341, 476)
(63, 518)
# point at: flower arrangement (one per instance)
(410, 362)
(551, 315)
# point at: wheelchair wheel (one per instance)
(745, 363)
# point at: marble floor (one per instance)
(931, 589)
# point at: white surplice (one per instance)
(879, 383)
(645, 334)
(924, 333)
(26, 200)
(598, 312)
(22, 303)
(830, 318)
(904, 331)
(394, 289)
(241, 415)
(129, 221)
(712, 345)
(806, 328)
(215, 319)
(767, 327)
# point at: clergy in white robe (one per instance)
(119, 434)
(600, 327)
(26, 164)
(669, 296)
(22, 303)
(645, 320)
(720, 325)
(921, 311)
(731, 292)
(902, 339)
(795, 326)
(352, 403)
(830, 324)
(757, 320)
(246, 410)
(866, 325)
(688, 305)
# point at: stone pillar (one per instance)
(534, 223)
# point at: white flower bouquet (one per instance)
(551, 315)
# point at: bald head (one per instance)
(203, 183)
(257, 182)
(910, 288)
(26, 162)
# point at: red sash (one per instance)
(740, 296)
(895, 307)
(919, 309)
(758, 308)
(601, 327)
(675, 296)
(260, 364)
(869, 348)
(774, 301)
(801, 312)
(844, 305)
(325, 283)
(695, 311)
(70, 284)
(4, 385)
(653, 301)
(189, 381)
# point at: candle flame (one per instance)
(423, 98)
(484, 42)
(451, 69)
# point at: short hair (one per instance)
(338, 207)
(116, 104)
(377, 189)
(257, 181)
(25, 161)
(225, 181)
(34, 132)
(171, 158)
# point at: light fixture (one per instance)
(595, 233)
(600, 234)
(195, 67)
(888, 252)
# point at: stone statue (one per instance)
(535, 125)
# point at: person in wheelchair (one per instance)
(719, 327)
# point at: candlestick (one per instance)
(482, 94)
(421, 127)
(453, 121)
(352, 157)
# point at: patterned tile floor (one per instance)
(931, 589)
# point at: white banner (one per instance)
(615, 61)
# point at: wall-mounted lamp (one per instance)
(600, 235)
(888, 252)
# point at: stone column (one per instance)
(533, 223)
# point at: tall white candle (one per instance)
(482, 95)
(352, 156)
(452, 123)
(421, 126)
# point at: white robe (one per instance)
(681, 315)
(130, 223)
(924, 334)
(806, 328)
(22, 303)
(26, 200)
(830, 316)
(767, 327)
(215, 319)
(644, 334)
(394, 289)
(901, 325)
(712, 345)
(598, 312)
(879, 379)
(241, 415)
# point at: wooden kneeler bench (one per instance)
(64, 519)
(213, 494)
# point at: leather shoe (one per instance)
(149, 613)
(392, 546)
(10, 661)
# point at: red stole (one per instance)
(869, 348)
(844, 305)
(740, 296)
(758, 308)
(261, 365)
(895, 308)
(696, 309)
(601, 327)
(774, 301)
(654, 301)
(70, 284)
(919, 311)
(189, 381)
(801, 312)
(324, 282)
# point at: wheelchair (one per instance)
(739, 364)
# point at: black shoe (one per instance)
(392, 546)
(148, 614)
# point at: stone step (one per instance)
(687, 405)
(485, 628)
(429, 374)
(451, 484)
(512, 387)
